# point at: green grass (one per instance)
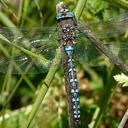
(21, 94)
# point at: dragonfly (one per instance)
(44, 41)
(36, 47)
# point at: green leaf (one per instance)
(4, 39)
(121, 79)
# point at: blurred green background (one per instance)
(103, 101)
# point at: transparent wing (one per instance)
(111, 27)
(35, 47)
(43, 42)
(86, 54)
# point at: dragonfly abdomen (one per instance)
(66, 24)
(74, 88)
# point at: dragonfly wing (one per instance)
(28, 36)
(86, 53)
(110, 28)
(17, 65)
(37, 41)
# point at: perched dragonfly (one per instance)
(36, 47)
(44, 41)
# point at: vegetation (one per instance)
(37, 97)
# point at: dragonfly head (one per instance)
(61, 8)
(63, 12)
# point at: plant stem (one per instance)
(103, 48)
(124, 120)
(6, 21)
(23, 13)
(44, 87)
(79, 8)
(106, 98)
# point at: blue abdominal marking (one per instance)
(66, 25)
(74, 91)
(73, 80)
(69, 50)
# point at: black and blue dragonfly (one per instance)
(34, 49)
(44, 42)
